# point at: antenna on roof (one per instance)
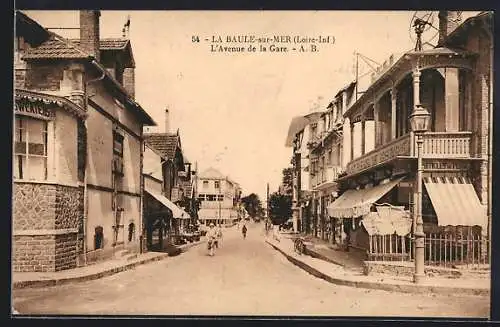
(126, 27)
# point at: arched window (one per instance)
(131, 232)
(98, 238)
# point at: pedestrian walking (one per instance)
(244, 231)
(211, 239)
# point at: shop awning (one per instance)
(356, 203)
(455, 202)
(176, 211)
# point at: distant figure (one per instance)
(211, 239)
(244, 231)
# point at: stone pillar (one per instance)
(394, 97)
(352, 141)
(451, 100)
(347, 145)
(416, 86)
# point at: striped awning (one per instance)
(357, 203)
(455, 202)
(176, 211)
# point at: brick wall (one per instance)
(44, 77)
(19, 78)
(479, 43)
(65, 251)
(33, 253)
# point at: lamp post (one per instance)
(419, 121)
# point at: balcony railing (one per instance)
(326, 175)
(435, 145)
(446, 145)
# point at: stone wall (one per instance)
(34, 206)
(68, 202)
(45, 221)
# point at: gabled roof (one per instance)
(165, 144)
(56, 47)
(212, 173)
(299, 123)
(29, 29)
(114, 44)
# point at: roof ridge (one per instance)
(69, 43)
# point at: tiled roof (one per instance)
(108, 43)
(56, 47)
(164, 143)
(212, 173)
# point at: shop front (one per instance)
(163, 219)
(47, 195)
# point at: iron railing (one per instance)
(445, 250)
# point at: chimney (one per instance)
(89, 32)
(448, 21)
(167, 121)
(129, 81)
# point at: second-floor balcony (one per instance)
(436, 145)
(325, 177)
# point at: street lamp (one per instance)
(419, 121)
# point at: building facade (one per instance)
(300, 133)
(219, 198)
(167, 208)
(77, 147)
(375, 192)
(451, 82)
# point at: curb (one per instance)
(422, 289)
(93, 276)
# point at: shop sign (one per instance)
(34, 109)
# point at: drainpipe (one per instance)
(490, 139)
(85, 191)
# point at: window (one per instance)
(201, 197)
(220, 197)
(205, 184)
(211, 197)
(117, 153)
(217, 184)
(30, 149)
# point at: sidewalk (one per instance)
(343, 275)
(91, 272)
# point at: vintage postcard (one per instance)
(252, 163)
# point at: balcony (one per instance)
(327, 177)
(436, 145)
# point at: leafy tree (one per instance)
(280, 208)
(252, 204)
(288, 180)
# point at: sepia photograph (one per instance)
(258, 163)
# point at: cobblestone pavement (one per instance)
(245, 277)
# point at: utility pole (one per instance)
(267, 201)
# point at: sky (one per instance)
(233, 109)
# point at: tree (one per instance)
(252, 204)
(280, 208)
(287, 180)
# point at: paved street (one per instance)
(245, 277)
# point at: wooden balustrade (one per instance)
(435, 145)
(446, 145)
